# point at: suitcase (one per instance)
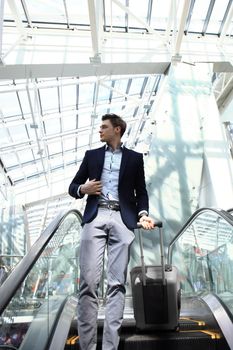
(155, 293)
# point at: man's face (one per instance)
(108, 132)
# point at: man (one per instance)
(113, 178)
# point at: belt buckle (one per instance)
(110, 206)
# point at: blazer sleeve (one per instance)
(80, 178)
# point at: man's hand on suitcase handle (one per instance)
(147, 223)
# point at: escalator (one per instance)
(41, 285)
(38, 301)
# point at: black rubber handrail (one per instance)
(60, 332)
(222, 213)
(17, 276)
(41, 330)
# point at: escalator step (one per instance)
(72, 342)
(189, 323)
(175, 340)
(182, 340)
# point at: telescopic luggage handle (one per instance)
(158, 224)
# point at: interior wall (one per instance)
(187, 162)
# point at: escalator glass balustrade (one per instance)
(203, 251)
(204, 254)
(40, 296)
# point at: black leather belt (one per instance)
(110, 205)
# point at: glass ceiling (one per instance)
(52, 95)
(205, 17)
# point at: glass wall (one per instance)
(13, 238)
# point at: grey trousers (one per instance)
(107, 229)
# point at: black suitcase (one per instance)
(155, 293)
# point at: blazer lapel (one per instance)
(124, 160)
(100, 161)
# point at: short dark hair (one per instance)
(116, 120)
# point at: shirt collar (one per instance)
(107, 147)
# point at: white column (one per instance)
(217, 181)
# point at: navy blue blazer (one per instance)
(133, 195)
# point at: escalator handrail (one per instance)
(41, 331)
(230, 210)
(222, 316)
(61, 329)
(222, 213)
(17, 276)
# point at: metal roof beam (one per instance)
(169, 22)
(226, 24)
(38, 138)
(3, 171)
(207, 19)
(96, 22)
(189, 16)
(23, 34)
(16, 16)
(28, 71)
(26, 13)
(180, 35)
(149, 11)
(66, 13)
(149, 29)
